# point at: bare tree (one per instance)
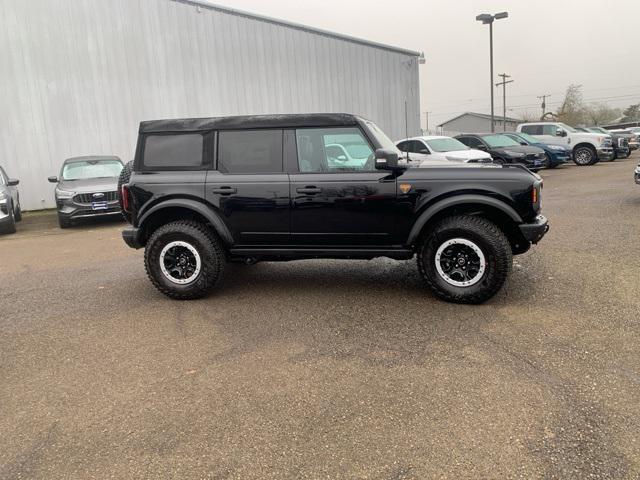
(572, 110)
(600, 113)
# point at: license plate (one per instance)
(99, 205)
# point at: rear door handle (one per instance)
(309, 190)
(224, 190)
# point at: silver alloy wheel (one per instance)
(460, 262)
(180, 262)
(584, 156)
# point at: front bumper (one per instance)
(636, 175)
(558, 157)
(605, 153)
(533, 232)
(69, 209)
(131, 236)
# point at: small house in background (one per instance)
(470, 122)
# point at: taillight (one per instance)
(124, 194)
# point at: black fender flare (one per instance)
(207, 212)
(437, 207)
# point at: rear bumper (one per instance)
(131, 236)
(533, 232)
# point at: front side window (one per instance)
(174, 151)
(549, 129)
(333, 150)
(82, 170)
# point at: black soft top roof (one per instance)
(249, 121)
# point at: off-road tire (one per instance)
(209, 248)
(585, 155)
(488, 237)
(64, 222)
(125, 176)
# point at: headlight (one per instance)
(3, 197)
(555, 147)
(64, 193)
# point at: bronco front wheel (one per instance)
(465, 259)
(184, 260)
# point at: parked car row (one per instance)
(86, 187)
(536, 145)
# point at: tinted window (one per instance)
(470, 141)
(404, 146)
(532, 129)
(174, 150)
(250, 151)
(333, 150)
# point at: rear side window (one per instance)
(532, 129)
(250, 151)
(177, 151)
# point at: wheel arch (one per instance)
(182, 209)
(503, 215)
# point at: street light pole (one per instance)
(487, 19)
(493, 128)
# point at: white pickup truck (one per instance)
(588, 148)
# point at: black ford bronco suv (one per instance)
(204, 192)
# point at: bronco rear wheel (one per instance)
(184, 260)
(465, 259)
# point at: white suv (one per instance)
(430, 148)
(588, 148)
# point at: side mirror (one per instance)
(424, 151)
(13, 182)
(53, 179)
(386, 159)
(560, 132)
(481, 147)
(522, 142)
(342, 158)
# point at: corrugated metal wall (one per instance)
(77, 76)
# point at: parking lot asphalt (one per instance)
(327, 369)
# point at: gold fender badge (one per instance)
(405, 187)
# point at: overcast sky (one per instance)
(544, 45)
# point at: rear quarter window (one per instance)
(532, 129)
(174, 151)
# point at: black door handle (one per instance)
(224, 190)
(309, 190)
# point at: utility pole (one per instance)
(544, 103)
(426, 117)
(504, 98)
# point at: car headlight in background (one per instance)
(3, 197)
(64, 193)
(555, 147)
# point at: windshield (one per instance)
(567, 127)
(500, 141)
(384, 141)
(446, 145)
(91, 169)
(528, 138)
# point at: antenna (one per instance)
(406, 126)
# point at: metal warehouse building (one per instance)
(78, 76)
